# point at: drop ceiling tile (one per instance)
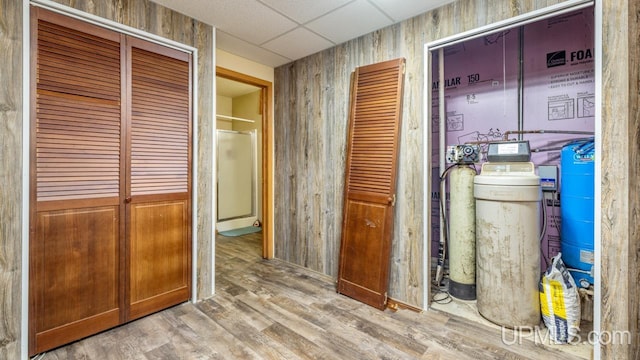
(249, 20)
(244, 25)
(298, 43)
(409, 8)
(246, 50)
(304, 10)
(349, 22)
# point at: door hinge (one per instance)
(392, 200)
(404, 68)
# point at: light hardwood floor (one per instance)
(269, 309)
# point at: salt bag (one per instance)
(560, 302)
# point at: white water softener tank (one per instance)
(508, 198)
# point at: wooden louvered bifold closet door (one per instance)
(110, 208)
(76, 213)
(158, 190)
(372, 151)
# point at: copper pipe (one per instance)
(572, 132)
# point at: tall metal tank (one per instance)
(462, 234)
(507, 243)
(577, 208)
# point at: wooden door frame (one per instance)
(266, 101)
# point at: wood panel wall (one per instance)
(141, 14)
(311, 102)
(311, 107)
(631, 282)
(620, 176)
(10, 177)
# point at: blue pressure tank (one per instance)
(576, 208)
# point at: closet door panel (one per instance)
(76, 262)
(160, 274)
(76, 228)
(158, 188)
(370, 182)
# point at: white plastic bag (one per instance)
(560, 302)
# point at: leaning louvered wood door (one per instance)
(372, 151)
(158, 184)
(76, 212)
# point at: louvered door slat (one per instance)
(159, 101)
(372, 149)
(58, 57)
(160, 128)
(89, 60)
(160, 93)
(64, 130)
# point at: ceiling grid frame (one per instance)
(276, 32)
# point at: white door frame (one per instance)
(537, 15)
(26, 139)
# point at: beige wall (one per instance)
(139, 14)
(243, 66)
(224, 107)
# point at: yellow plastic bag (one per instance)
(560, 302)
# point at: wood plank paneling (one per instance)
(203, 156)
(620, 175)
(11, 243)
(311, 114)
(634, 182)
(141, 14)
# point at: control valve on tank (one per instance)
(463, 154)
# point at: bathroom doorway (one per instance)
(244, 178)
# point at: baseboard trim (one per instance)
(395, 305)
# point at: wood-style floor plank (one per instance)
(270, 309)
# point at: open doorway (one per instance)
(244, 178)
(528, 81)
